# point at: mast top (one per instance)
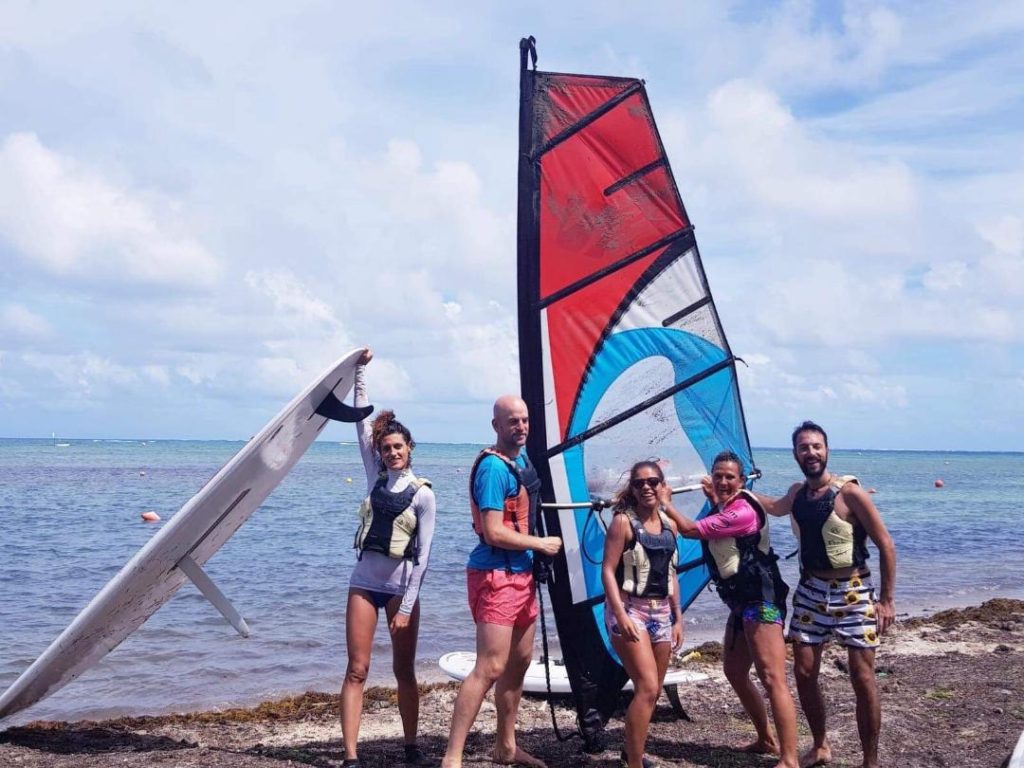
(528, 49)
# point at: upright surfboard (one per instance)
(179, 550)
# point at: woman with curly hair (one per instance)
(393, 542)
(744, 569)
(641, 610)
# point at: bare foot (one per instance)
(520, 757)
(816, 756)
(761, 747)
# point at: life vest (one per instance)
(745, 568)
(647, 567)
(387, 521)
(827, 542)
(520, 510)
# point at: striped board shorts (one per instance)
(843, 609)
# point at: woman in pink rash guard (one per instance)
(734, 537)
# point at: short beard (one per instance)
(816, 475)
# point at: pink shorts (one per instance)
(502, 598)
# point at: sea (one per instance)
(70, 519)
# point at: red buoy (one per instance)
(939, 483)
(151, 517)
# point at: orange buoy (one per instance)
(151, 517)
(872, 490)
(939, 483)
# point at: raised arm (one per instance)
(685, 527)
(364, 430)
(860, 504)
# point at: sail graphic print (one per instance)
(622, 354)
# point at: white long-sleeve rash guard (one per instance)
(376, 572)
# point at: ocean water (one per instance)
(69, 519)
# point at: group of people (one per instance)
(835, 599)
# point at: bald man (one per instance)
(504, 491)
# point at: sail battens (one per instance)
(635, 176)
(611, 268)
(622, 355)
(586, 120)
(643, 406)
(686, 311)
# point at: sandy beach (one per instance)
(952, 695)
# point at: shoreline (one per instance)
(952, 688)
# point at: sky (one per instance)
(202, 205)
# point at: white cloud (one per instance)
(19, 321)
(71, 222)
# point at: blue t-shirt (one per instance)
(494, 482)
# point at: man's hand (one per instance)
(549, 545)
(366, 357)
(885, 613)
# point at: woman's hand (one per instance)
(628, 628)
(399, 622)
(366, 357)
(709, 489)
(664, 494)
(677, 633)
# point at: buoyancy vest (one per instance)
(745, 568)
(520, 509)
(387, 521)
(647, 566)
(827, 542)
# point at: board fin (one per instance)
(204, 584)
(333, 408)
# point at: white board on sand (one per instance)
(1016, 760)
(458, 664)
(177, 552)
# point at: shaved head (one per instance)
(507, 403)
(511, 424)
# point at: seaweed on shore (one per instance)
(997, 613)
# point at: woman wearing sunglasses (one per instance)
(641, 597)
(734, 536)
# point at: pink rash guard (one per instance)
(737, 519)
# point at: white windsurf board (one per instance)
(177, 552)
(458, 664)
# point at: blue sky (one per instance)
(203, 205)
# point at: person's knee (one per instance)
(405, 674)
(490, 668)
(736, 673)
(862, 677)
(645, 692)
(804, 669)
(772, 678)
(356, 672)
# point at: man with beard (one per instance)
(833, 517)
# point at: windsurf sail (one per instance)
(622, 354)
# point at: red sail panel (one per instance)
(582, 229)
(564, 100)
(575, 325)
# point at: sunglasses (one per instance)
(640, 482)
